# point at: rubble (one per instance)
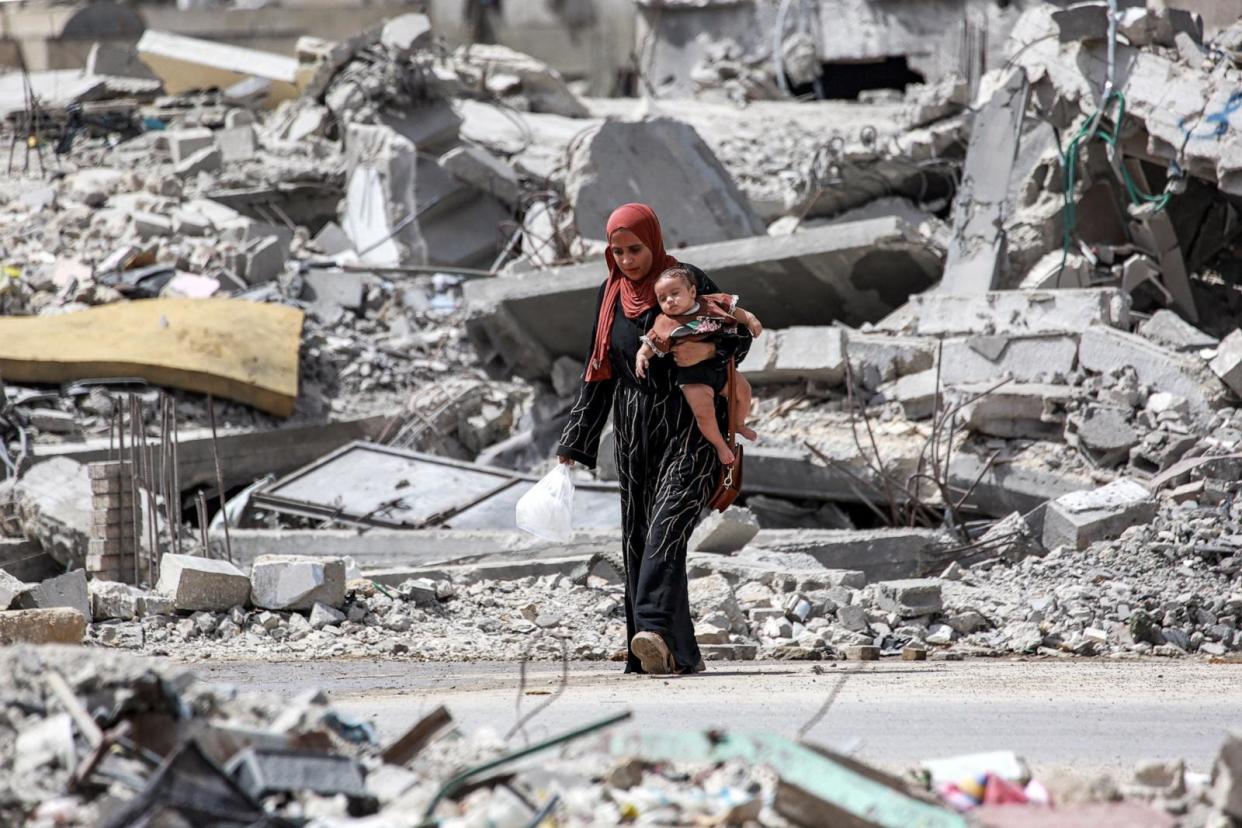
(201, 583)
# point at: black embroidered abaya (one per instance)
(666, 469)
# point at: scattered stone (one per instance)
(67, 590)
(290, 582)
(202, 583)
(909, 598)
(725, 532)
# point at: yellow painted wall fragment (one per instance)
(244, 351)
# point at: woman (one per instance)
(666, 468)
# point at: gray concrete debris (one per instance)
(981, 205)
(1103, 349)
(1104, 432)
(1227, 364)
(1079, 519)
(407, 33)
(112, 600)
(567, 376)
(665, 163)
(206, 160)
(877, 358)
(1032, 359)
(803, 353)
(53, 500)
(379, 196)
(290, 582)
(505, 72)
(183, 143)
(1010, 312)
(1227, 776)
(332, 291)
(1014, 410)
(10, 588)
(917, 394)
(1011, 538)
(724, 532)
(1166, 328)
(322, 616)
(909, 598)
(196, 584)
(483, 170)
(524, 324)
(878, 553)
(67, 590)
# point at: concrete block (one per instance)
(1104, 432)
(322, 616)
(407, 32)
(117, 61)
(334, 290)
(479, 168)
(992, 358)
(112, 600)
(153, 604)
(1103, 350)
(291, 582)
(148, 225)
(880, 554)
(54, 505)
(1010, 312)
(183, 143)
(236, 144)
(862, 652)
(916, 393)
(1168, 329)
(1228, 362)
(1079, 519)
(67, 590)
(909, 598)
(725, 532)
(815, 354)
(380, 194)
(1227, 776)
(665, 163)
(42, 626)
(1034, 411)
(196, 584)
(10, 588)
(265, 260)
(208, 160)
(888, 357)
(524, 324)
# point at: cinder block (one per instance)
(911, 597)
(1079, 519)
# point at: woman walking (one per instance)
(666, 468)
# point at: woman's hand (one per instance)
(686, 354)
(566, 461)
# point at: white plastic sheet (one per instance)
(546, 511)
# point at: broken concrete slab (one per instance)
(1104, 432)
(1034, 411)
(67, 590)
(1034, 359)
(879, 554)
(10, 588)
(183, 143)
(53, 500)
(813, 354)
(1079, 519)
(917, 393)
(910, 597)
(977, 248)
(1168, 329)
(1013, 484)
(236, 144)
(42, 626)
(863, 270)
(1227, 364)
(244, 351)
(407, 32)
(476, 166)
(1227, 776)
(665, 163)
(117, 61)
(186, 64)
(195, 583)
(293, 582)
(112, 600)
(1103, 349)
(331, 291)
(725, 532)
(379, 196)
(876, 358)
(1009, 312)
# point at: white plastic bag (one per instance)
(546, 511)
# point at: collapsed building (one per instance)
(317, 325)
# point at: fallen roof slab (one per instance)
(1010, 312)
(852, 273)
(186, 64)
(243, 351)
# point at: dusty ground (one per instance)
(1085, 715)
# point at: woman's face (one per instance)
(630, 254)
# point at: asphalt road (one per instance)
(1085, 714)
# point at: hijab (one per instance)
(635, 296)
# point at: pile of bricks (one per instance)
(113, 553)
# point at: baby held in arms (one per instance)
(686, 316)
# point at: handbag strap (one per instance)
(732, 381)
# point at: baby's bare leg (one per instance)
(702, 400)
(742, 407)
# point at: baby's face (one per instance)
(675, 296)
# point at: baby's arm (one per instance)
(749, 320)
(645, 353)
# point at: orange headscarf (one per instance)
(636, 296)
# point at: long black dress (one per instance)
(666, 470)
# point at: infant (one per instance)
(689, 317)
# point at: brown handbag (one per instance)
(730, 484)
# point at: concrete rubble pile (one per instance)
(102, 739)
(973, 439)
